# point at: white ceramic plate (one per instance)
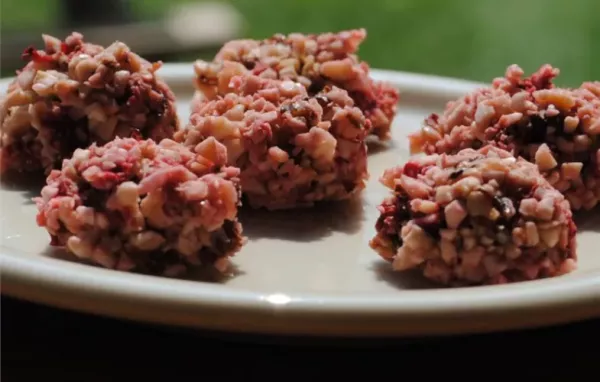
(302, 272)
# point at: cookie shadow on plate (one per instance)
(29, 184)
(210, 274)
(411, 279)
(375, 146)
(201, 274)
(588, 220)
(304, 224)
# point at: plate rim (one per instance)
(217, 307)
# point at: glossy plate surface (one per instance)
(302, 272)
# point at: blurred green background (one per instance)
(459, 38)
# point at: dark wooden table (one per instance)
(42, 343)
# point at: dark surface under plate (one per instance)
(42, 343)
